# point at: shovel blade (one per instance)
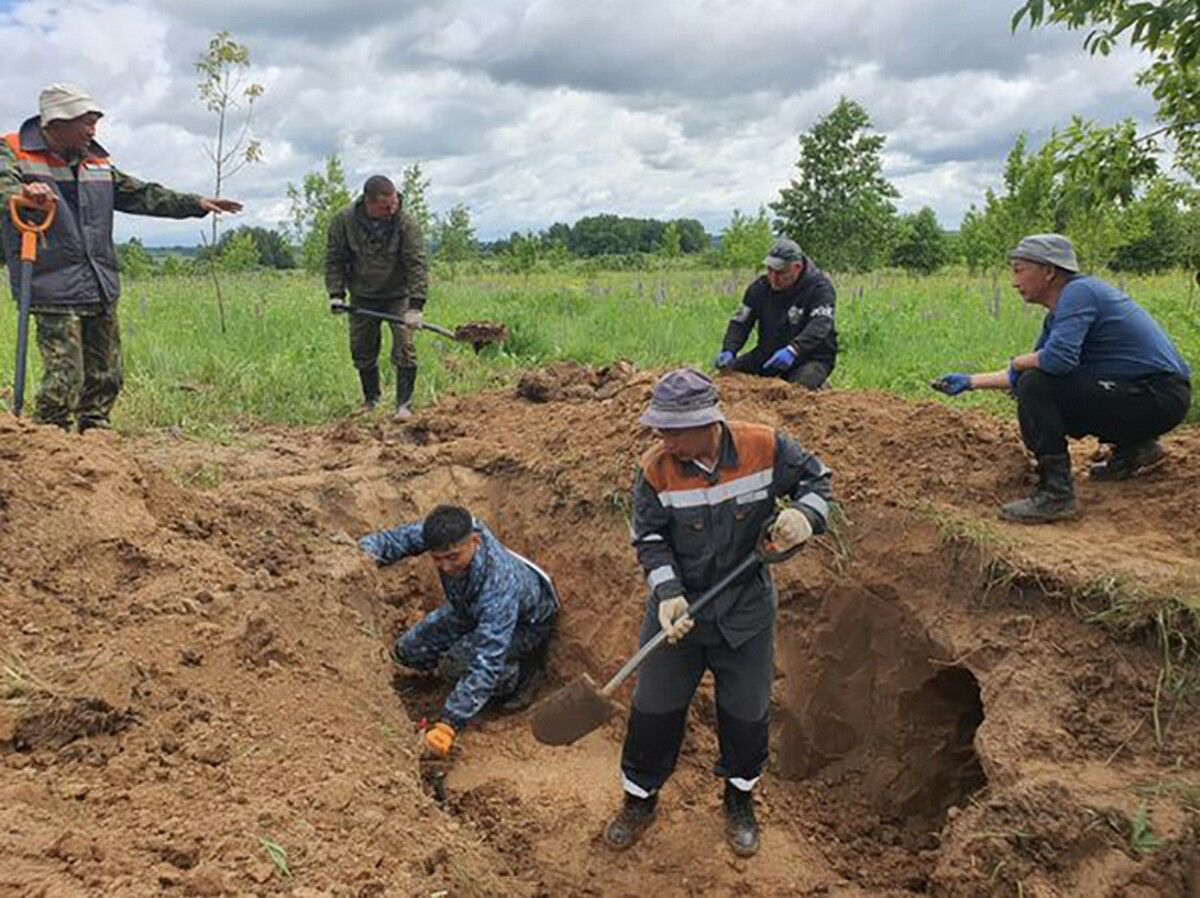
(571, 713)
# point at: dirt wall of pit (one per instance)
(193, 676)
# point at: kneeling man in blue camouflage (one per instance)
(499, 613)
(700, 502)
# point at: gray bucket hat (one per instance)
(1049, 249)
(785, 252)
(683, 398)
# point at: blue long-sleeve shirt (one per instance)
(499, 593)
(1097, 329)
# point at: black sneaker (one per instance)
(741, 827)
(1126, 461)
(635, 816)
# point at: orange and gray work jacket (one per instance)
(692, 526)
(77, 265)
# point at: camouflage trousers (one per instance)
(81, 368)
(366, 335)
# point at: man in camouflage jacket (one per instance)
(55, 157)
(490, 635)
(376, 253)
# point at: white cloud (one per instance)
(535, 111)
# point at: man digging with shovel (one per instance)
(700, 503)
(376, 253)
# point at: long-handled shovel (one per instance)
(579, 707)
(30, 231)
(478, 333)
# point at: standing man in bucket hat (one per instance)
(55, 157)
(1101, 367)
(700, 501)
(793, 305)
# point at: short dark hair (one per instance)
(446, 526)
(377, 186)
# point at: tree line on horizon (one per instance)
(1105, 187)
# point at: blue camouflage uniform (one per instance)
(499, 611)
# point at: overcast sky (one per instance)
(534, 112)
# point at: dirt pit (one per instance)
(196, 697)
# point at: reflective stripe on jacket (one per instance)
(77, 264)
(690, 527)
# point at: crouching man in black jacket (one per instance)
(793, 306)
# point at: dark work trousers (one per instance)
(365, 336)
(1124, 412)
(666, 682)
(811, 374)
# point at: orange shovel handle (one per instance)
(30, 231)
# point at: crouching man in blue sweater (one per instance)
(500, 610)
(1101, 367)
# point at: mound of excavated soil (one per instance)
(195, 696)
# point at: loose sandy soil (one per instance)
(194, 669)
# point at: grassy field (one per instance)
(285, 359)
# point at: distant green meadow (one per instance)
(284, 359)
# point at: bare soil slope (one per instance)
(194, 676)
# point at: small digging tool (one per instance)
(30, 232)
(478, 333)
(579, 707)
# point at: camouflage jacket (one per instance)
(500, 592)
(391, 266)
(77, 266)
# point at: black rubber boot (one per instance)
(406, 380)
(369, 378)
(1126, 461)
(1054, 498)
(741, 827)
(632, 820)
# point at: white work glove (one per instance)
(413, 319)
(791, 529)
(673, 617)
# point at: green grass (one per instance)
(285, 359)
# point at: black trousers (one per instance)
(811, 374)
(666, 683)
(1125, 412)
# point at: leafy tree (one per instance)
(456, 238)
(670, 245)
(839, 206)
(313, 204)
(274, 251)
(920, 246)
(1161, 221)
(222, 71)
(240, 253)
(746, 241)
(522, 254)
(413, 185)
(133, 260)
(1169, 30)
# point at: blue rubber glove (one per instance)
(724, 359)
(781, 361)
(1013, 376)
(952, 384)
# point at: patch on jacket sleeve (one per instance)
(742, 314)
(823, 311)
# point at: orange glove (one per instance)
(438, 740)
